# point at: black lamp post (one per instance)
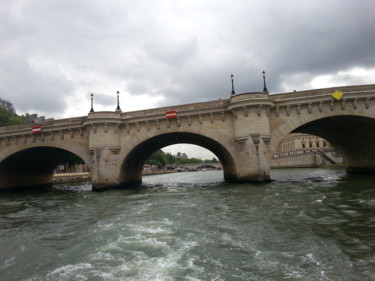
(233, 93)
(264, 82)
(92, 102)
(118, 109)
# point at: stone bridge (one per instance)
(243, 131)
(196, 166)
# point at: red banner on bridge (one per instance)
(37, 130)
(171, 114)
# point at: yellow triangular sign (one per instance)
(337, 95)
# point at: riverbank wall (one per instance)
(307, 160)
(71, 177)
(61, 178)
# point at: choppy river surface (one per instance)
(307, 224)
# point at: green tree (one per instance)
(8, 118)
(213, 160)
(170, 158)
(158, 158)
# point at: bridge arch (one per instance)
(353, 135)
(131, 169)
(206, 166)
(36, 164)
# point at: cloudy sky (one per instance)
(54, 53)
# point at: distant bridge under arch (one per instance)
(196, 166)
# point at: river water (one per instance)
(307, 224)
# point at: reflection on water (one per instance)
(307, 224)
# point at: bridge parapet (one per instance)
(251, 98)
(62, 126)
(319, 94)
(354, 96)
(183, 111)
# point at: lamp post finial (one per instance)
(118, 109)
(264, 82)
(233, 93)
(92, 102)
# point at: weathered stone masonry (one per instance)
(242, 131)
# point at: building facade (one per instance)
(302, 150)
(301, 143)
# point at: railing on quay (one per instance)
(299, 152)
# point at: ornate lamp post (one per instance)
(264, 82)
(92, 102)
(233, 93)
(118, 109)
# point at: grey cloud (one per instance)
(172, 51)
(106, 99)
(31, 90)
(183, 51)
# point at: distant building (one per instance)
(181, 155)
(302, 143)
(7, 105)
(302, 150)
(34, 118)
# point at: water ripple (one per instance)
(307, 224)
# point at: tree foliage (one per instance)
(8, 118)
(157, 158)
(160, 158)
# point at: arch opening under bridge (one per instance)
(32, 167)
(131, 169)
(353, 136)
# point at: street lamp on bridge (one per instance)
(92, 102)
(233, 93)
(264, 82)
(118, 109)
